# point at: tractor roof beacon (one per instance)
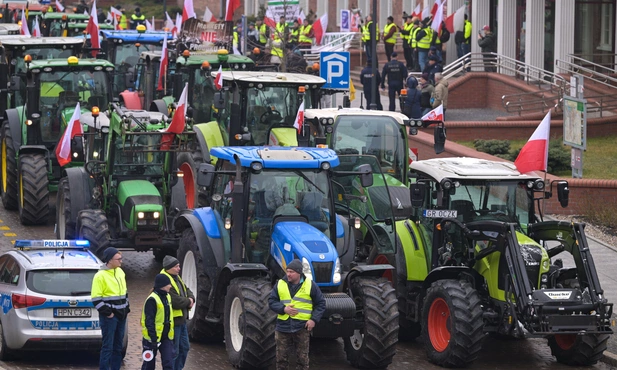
(477, 233)
(283, 205)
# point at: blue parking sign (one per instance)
(334, 68)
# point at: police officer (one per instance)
(299, 304)
(157, 326)
(396, 73)
(137, 18)
(366, 79)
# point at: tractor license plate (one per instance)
(440, 213)
(73, 312)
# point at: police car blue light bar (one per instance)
(53, 244)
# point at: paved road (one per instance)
(141, 268)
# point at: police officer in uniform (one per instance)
(366, 79)
(396, 73)
(157, 326)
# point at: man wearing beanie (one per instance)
(299, 305)
(157, 327)
(110, 298)
(182, 300)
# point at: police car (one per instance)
(45, 297)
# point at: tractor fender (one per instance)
(34, 149)
(81, 186)
(12, 116)
(453, 273)
(203, 145)
(159, 106)
(131, 99)
(411, 258)
(207, 234)
(227, 274)
(365, 270)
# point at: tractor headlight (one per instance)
(156, 215)
(336, 278)
(544, 278)
(306, 269)
(141, 215)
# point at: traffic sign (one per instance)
(334, 68)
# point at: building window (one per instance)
(606, 28)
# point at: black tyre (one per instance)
(452, 325)
(5, 353)
(196, 279)
(408, 330)
(8, 172)
(33, 189)
(578, 350)
(188, 163)
(65, 221)
(249, 324)
(93, 227)
(374, 345)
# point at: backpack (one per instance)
(445, 35)
(459, 37)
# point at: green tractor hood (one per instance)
(141, 204)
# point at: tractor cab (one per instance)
(58, 24)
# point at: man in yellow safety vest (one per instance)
(157, 326)
(390, 32)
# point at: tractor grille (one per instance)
(323, 271)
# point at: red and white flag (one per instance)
(434, 115)
(426, 13)
(218, 80)
(456, 21)
(534, 155)
(24, 31)
(178, 26)
(116, 25)
(208, 16)
(299, 118)
(115, 12)
(169, 23)
(230, 8)
(417, 12)
(93, 30)
(149, 26)
(177, 122)
(74, 128)
(36, 30)
(435, 8)
(163, 67)
(188, 11)
(59, 6)
(319, 28)
(437, 18)
(153, 24)
(269, 19)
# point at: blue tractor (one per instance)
(270, 205)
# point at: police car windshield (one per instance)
(61, 282)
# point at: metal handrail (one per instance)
(595, 76)
(520, 103)
(587, 63)
(586, 59)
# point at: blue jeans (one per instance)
(181, 346)
(112, 331)
(166, 349)
(422, 58)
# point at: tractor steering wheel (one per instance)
(269, 115)
(94, 168)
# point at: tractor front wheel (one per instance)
(93, 226)
(249, 324)
(8, 190)
(33, 189)
(374, 345)
(578, 350)
(65, 222)
(452, 325)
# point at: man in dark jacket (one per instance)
(182, 300)
(432, 67)
(137, 18)
(158, 330)
(488, 42)
(299, 304)
(366, 79)
(411, 102)
(396, 73)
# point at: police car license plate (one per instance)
(73, 312)
(440, 213)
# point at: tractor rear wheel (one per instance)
(33, 189)
(374, 345)
(452, 325)
(198, 281)
(65, 222)
(578, 350)
(93, 226)
(8, 190)
(249, 323)
(188, 163)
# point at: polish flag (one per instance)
(178, 25)
(426, 13)
(110, 17)
(434, 115)
(230, 8)
(177, 122)
(218, 80)
(36, 30)
(149, 26)
(93, 30)
(417, 12)
(301, 16)
(116, 25)
(24, 25)
(59, 6)
(437, 18)
(169, 24)
(456, 21)
(153, 24)
(163, 66)
(115, 12)
(188, 11)
(319, 28)
(269, 18)
(208, 16)
(534, 155)
(74, 128)
(435, 8)
(299, 122)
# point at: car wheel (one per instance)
(5, 353)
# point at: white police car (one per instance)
(45, 297)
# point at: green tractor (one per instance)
(30, 132)
(124, 195)
(478, 258)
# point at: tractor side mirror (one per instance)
(16, 83)
(205, 176)
(366, 175)
(418, 194)
(563, 193)
(219, 101)
(440, 139)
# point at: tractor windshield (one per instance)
(377, 136)
(139, 154)
(125, 58)
(203, 95)
(64, 89)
